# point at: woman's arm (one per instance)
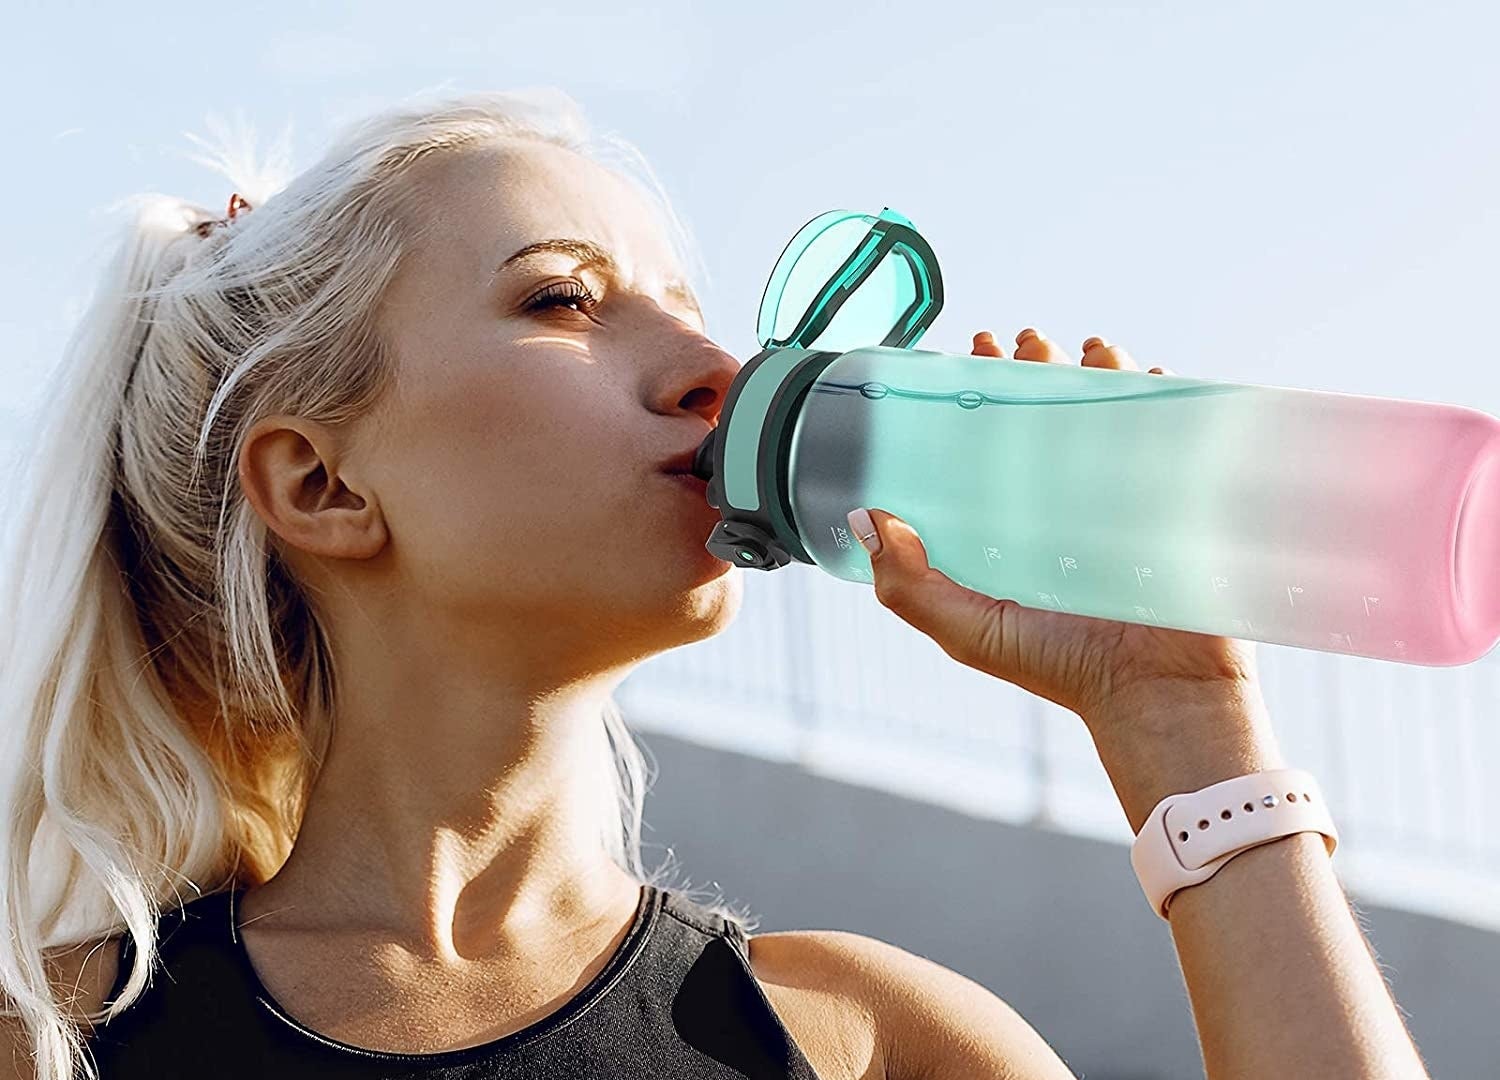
(1281, 980)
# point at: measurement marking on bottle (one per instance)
(861, 572)
(1370, 601)
(840, 537)
(1220, 582)
(1338, 638)
(1144, 612)
(1051, 598)
(991, 554)
(1290, 590)
(1243, 624)
(1400, 645)
(1067, 562)
(1141, 574)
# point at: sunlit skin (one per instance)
(493, 549)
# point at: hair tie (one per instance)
(237, 206)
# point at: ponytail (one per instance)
(103, 795)
(165, 685)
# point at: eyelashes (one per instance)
(561, 294)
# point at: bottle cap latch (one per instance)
(848, 280)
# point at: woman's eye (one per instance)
(564, 293)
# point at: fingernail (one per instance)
(1091, 342)
(1029, 332)
(864, 528)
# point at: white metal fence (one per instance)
(815, 670)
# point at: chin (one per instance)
(718, 579)
(715, 595)
(681, 615)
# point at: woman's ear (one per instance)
(290, 471)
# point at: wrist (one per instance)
(1164, 738)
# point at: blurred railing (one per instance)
(815, 670)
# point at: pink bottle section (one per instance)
(1425, 495)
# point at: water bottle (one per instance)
(1319, 520)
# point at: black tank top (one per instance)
(676, 999)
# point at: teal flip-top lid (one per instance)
(848, 280)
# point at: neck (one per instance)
(458, 804)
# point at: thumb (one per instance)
(957, 618)
(895, 549)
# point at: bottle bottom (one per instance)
(1476, 561)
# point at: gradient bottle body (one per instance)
(1320, 520)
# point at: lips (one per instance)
(679, 463)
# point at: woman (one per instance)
(314, 639)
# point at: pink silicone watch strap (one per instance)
(1188, 836)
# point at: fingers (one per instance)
(1032, 344)
(1101, 354)
(985, 344)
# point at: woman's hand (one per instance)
(1078, 661)
(1174, 711)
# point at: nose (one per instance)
(701, 379)
(707, 378)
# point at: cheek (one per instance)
(511, 481)
(513, 421)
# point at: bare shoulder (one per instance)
(925, 1020)
(81, 976)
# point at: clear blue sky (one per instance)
(1294, 194)
(1285, 193)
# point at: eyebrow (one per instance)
(589, 253)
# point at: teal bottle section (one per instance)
(1321, 520)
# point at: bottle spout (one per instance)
(703, 457)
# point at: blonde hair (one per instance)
(166, 691)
